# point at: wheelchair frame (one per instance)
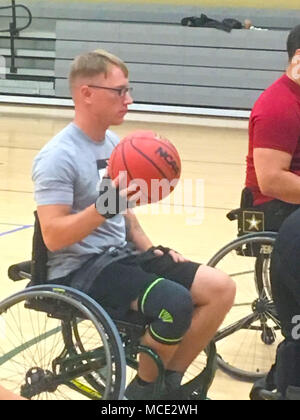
(259, 316)
(96, 373)
(258, 321)
(122, 345)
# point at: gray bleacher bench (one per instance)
(177, 65)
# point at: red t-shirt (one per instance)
(275, 124)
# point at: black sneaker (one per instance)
(173, 379)
(173, 390)
(135, 391)
(174, 395)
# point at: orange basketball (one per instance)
(150, 161)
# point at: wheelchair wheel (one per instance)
(248, 338)
(57, 343)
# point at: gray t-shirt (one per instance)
(67, 171)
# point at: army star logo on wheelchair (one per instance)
(253, 221)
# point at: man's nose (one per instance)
(128, 98)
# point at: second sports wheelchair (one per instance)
(248, 339)
(58, 343)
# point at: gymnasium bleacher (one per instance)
(170, 64)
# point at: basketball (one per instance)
(149, 160)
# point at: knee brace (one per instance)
(169, 308)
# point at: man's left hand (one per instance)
(175, 255)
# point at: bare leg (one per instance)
(8, 395)
(213, 294)
(147, 367)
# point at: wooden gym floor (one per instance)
(211, 150)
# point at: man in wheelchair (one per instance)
(273, 164)
(274, 184)
(105, 253)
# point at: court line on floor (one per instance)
(15, 230)
(16, 191)
(13, 224)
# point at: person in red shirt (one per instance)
(273, 161)
(273, 177)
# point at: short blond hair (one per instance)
(94, 63)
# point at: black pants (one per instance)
(285, 279)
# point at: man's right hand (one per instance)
(115, 197)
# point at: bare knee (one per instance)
(225, 290)
(212, 286)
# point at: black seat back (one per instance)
(36, 268)
(39, 255)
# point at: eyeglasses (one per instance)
(121, 91)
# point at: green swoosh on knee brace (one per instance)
(148, 291)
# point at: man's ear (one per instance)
(295, 67)
(85, 93)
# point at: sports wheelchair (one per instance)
(58, 343)
(247, 341)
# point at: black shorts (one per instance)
(123, 281)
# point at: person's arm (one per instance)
(135, 232)
(274, 177)
(60, 228)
